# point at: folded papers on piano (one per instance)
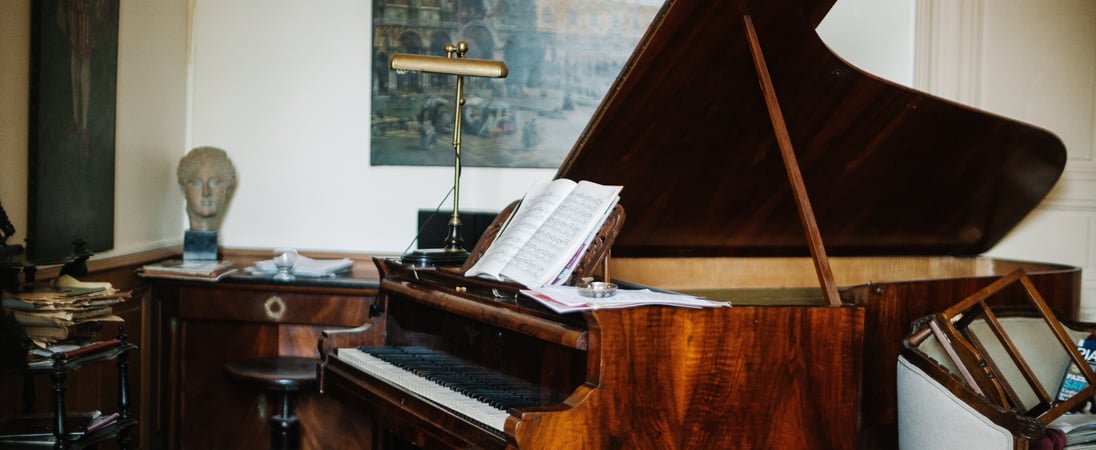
(564, 299)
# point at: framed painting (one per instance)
(74, 61)
(563, 56)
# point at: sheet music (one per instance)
(538, 204)
(560, 236)
(564, 299)
(552, 223)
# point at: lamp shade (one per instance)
(449, 66)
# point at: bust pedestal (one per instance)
(200, 246)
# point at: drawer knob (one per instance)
(275, 307)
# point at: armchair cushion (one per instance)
(929, 416)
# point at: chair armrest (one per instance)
(369, 333)
(932, 415)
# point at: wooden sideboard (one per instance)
(203, 325)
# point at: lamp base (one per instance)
(435, 257)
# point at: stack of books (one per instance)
(66, 350)
(36, 430)
(65, 310)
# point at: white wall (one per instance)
(152, 81)
(1045, 76)
(875, 36)
(283, 87)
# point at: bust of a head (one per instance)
(207, 178)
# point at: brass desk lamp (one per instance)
(454, 63)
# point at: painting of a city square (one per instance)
(562, 55)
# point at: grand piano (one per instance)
(830, 207)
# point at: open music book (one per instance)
(548, 233)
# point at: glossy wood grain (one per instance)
(650, 377)
(893, 291)
(673, 378)
(889, 170)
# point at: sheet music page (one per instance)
(555, 242)
(569, 267)
(539, 203)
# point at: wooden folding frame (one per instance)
(982, 373)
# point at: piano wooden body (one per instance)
(653, 377)
(830, 207)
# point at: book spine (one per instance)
(90, 348)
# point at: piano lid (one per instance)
(888, 170)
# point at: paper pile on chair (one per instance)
(67, 309)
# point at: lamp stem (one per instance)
(453, 243)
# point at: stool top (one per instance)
(283, 373)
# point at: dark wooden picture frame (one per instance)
(74, 65)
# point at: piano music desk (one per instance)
(204, 325)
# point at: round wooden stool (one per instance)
(282, 374)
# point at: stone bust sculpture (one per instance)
(207, 178)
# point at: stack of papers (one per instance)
(65, 309)
(564, 299)
(1079, 428)
(189, 270)
(309, 267)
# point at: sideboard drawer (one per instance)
(272, 306)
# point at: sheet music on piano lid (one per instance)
(565, 299)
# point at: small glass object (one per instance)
(284, 258)
(587, 287)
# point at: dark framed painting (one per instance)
(562, 55)
(74, 62)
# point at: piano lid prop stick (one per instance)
(806, 214)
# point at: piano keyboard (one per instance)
(476, 393)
